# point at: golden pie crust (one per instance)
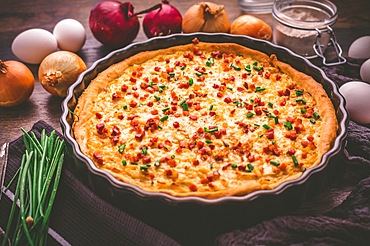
(204, 119)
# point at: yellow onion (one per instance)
(59, 70)
(251, 26)
(206, 17)
(16, 83)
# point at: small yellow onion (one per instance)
(206, 17)
(251, 26)
(59, 70)
(16, 83)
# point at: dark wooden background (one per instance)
(19, 15)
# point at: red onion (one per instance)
(162, 21)
(114, 23)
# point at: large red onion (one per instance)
(162, 21)
(114, 23)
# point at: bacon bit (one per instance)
(154, 112)
(276, 112)
(292, 135)
(278, 76)
(219, 94)
(101, 128)
(115, 96)
(124, 88)
(133, 104)
(193, 187)
(216, 54)
(171, 162)
(291, 151)
(131, 117)
(291, 86)
(144, 85)
(310, 138)
(304, 155)
(139, 137)
(240, 89)
(193, 117)
(116, 131)
(267, 75)
(270, 133)
(178, 150)
(258, 111)
(157, 69)
(132, 80)
(195, 41)
(227, 100)
(212, 113)
(283, 166)
(290, 119)
(189, 56)
(98, 157)
(282, 102)
(226, 166)
(200, 144)
(168, 172)
(115, 139)
(151, 124)
(146, 159)
(120, 116)
(184, 85)
(98, 115)
(304, 143)
(195, 162)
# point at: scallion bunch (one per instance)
(38, 179)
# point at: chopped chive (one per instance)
(184, 105)
(259, 88)
(190, 81)
(124, 107)
(151, 84)
(121, 148)
(144, 150)
(157, 163)
(237, 68)
(295, 161)
(159, 127)
(210, 61)
(211, 165)
(255, 63)
(250, 167)
(255, 67)
(303, 110)
(300, 100)
(267, 127)
(210, 107)
(234, 165)
(248, 69)
(250, 115)
(288, 125)
(165, 109)
(316, 115)
(211, 130)
(198, 74)
(238, 103)
(208, 141)
(172, 75)
(313, 121)
(157, 97)
(133, 163)
(164, 118)
(299, 93)
(173, 156)
(144, 167)
(275, 163)
(229, 88)
(270, 104)
(124, 162)
(183, 67)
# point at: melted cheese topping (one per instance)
(201, 123)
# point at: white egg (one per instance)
(360, 48)
(33, 45)
(365, 71)
(357, 95)
(70, 34)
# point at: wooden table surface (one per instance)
(17, 16)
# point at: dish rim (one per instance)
(117, 184)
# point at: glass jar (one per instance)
(305, 27)
(256, 6)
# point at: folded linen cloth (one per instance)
(80, 217)
(346, 224)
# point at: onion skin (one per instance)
(59, 70)
(16, 83)
(251, 26)
(114, 23)
(206, 17)
(162, 21)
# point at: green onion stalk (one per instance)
(37, 185)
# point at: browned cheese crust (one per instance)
(204, 119)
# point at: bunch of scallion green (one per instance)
(38, 179)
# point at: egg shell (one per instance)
(360, 48)
(70, 35)
(365, 71)
(357, 95)
(33, 45)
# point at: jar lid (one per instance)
(305, 14)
